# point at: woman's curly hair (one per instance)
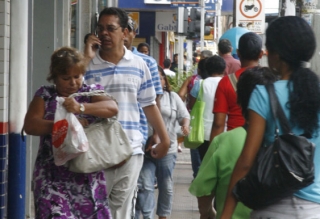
(247, 83)
(293, 40)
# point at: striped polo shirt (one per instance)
(131, 84)
(153, 67)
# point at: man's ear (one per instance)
(261, 54)
(134, 33)
(125, 33)
(238, 53)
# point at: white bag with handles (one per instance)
(68, 137)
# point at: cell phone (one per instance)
(94, 27)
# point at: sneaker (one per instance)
(155, 186)
(179, 149)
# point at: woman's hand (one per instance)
(71, 105)
(83, 121)
(185, 130)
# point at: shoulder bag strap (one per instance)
(277, 110)
(200, 95)
(93, 93)
(233, 79)
(170, 107)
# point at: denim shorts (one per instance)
(289, 208)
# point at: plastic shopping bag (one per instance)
(196, 135)
(68, 137)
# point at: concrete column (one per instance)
(4, 97)
(17, 108)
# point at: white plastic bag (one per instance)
(68, 137)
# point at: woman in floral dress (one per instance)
(59, 193)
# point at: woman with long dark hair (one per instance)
(291, 44)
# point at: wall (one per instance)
(315, 61)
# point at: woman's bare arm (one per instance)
(34, 123)
(100, 106)
(252, 144)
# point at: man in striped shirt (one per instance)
(127, 78)
(153, 67)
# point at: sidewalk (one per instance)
(185, 206)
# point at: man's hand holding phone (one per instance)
(92, 45)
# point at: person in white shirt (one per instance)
(167, 65)
(215, 66)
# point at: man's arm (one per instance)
(218, 124)
(155, 119)
(153, 67)
(220, 109)
(154, 138)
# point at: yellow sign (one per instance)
(211, 36)
(136, 17)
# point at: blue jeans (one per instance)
(195, 161)
(289, 208)
(163, 170)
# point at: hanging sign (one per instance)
(166, 21)
(184, 3)
(250, 14)
(136, 17)
(158, 2)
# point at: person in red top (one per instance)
(225, 105)
(225, 49)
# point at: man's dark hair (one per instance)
(120, 13)
(224, 46)
(250, 45)
(166, 63)
(142, 45)
(215, 65)
(201, 68)
(248, 81)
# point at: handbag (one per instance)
(281, 168)
(196, 135)
(108, 144)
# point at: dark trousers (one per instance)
(203, 149)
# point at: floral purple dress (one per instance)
(59, 193)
